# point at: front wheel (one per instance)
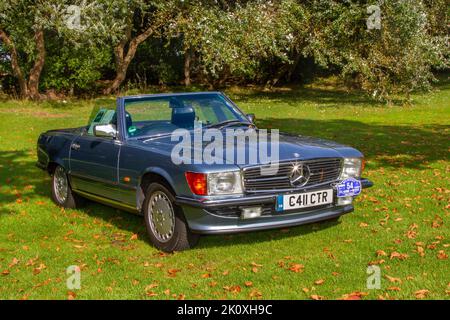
(62, 193)
(165, 222)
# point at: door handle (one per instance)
(75, 146)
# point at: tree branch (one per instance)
(15, 66)
(35, 73)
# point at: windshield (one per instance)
(163, 114)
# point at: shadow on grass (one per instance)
(317, 96)
(390, 146)
(326, 96)
(21, 183)
(17, 175)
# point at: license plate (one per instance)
(304, 200)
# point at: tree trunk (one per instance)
(123, 59)
(15, 66)
(35, 73)
(30, 88)
(187, 67)
(285, 70)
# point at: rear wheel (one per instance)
(165, 222)
(62, 193)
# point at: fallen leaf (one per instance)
(437, 222)
(248, 283)
(357, 295)
(151, 294)
(421, 251)
(319, 282)
(296, 267)
(255, 294)
(411, 234)
(397, 255)
(381, 253)
(421, 294)
(394, 288)
(392, 279)
(134, 237)
(376, 262)
(173, 272)
(317, 297)
(71, 295)
(442, 255)
(39, 269)
(233, 289)
(151, 286)
(14, 262)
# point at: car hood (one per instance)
(290, 147)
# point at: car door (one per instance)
(94, 163)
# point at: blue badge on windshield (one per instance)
(348, 188)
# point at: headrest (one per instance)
(175, 103)
(183, 117)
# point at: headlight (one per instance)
(224, 183)
(219, 183)
(351, 169)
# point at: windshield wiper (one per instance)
(227, 123)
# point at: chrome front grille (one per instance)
(321, 171)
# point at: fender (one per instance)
(140, 196)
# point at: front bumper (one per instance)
(200, 218)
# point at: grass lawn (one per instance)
(401, 224)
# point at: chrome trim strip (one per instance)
(293, 160)
(107, 201)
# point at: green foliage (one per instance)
(74, 68)
(244, 41)
(235, 40)
(397, 57)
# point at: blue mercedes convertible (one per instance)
(170, 158)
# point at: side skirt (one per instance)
(108, 202)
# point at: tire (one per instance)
(166, 225)
(62, 193)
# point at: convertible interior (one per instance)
(182, 115)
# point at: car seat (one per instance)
(182, 116)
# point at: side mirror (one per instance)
(251, 117)
(105, 130)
